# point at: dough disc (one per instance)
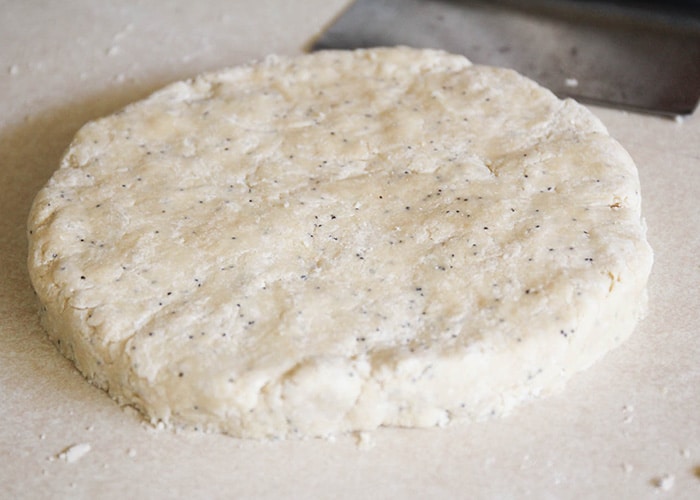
(340, 241)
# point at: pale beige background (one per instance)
(615, 431)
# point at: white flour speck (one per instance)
(665, 482)
(75, 452)
(365, 441)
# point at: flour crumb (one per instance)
(42, 436)
(679, 119)
(74, 453)
(121, 34)
(131, 452)
(627, 467)
(628, 410)
(13, 70)
(113, 50)
(571, 82)
(131, 411)
(665, 482)
(685, 453)
(364, 440)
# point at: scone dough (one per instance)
(339, 241)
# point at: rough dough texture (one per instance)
(340, 241)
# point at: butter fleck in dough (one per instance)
(339, 241)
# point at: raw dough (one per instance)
(340, 241)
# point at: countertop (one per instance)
(627, 428)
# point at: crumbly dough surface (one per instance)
(339, 241)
